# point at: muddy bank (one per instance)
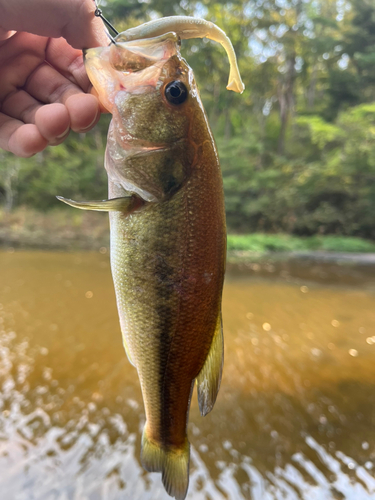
(70, 230)
(55, 230)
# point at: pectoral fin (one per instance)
(126, 204)
(209, 378)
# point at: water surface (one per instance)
(295, 416)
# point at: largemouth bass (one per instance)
(167, 223)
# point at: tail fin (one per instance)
(173, 463)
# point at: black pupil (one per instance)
(176, 92)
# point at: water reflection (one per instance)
(294, 419)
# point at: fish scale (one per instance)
(192, 291)
(195, 301)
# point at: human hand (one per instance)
(43, 84)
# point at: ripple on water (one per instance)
(293, 419)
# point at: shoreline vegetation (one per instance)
(66, 230)
(296, 149)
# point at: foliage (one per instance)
(297, 148)
(261, 243)
(68, 229)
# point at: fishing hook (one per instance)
(98, 13)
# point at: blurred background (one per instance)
(295, 417)
(297, 148)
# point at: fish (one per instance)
(167, 229)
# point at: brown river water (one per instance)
(295, 416)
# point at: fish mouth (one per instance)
(129, 66)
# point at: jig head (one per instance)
(98, 13)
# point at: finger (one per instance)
(21, 105)
(53, 122)
(19, 57)
(68, 105)
(72, 19)
(26, 141)
(48, 85)
(67, 61)
(20, 139)
(84, 112)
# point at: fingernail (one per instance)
(92, 123)
(63, 134)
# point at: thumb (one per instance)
(72, 19)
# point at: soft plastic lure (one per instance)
(189, 27)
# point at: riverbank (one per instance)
(68, 229)
(58, 229)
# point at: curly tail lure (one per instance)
(186, 28)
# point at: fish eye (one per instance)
(176, 92)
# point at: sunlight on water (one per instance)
(294, 419)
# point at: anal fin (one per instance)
(209, 378)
